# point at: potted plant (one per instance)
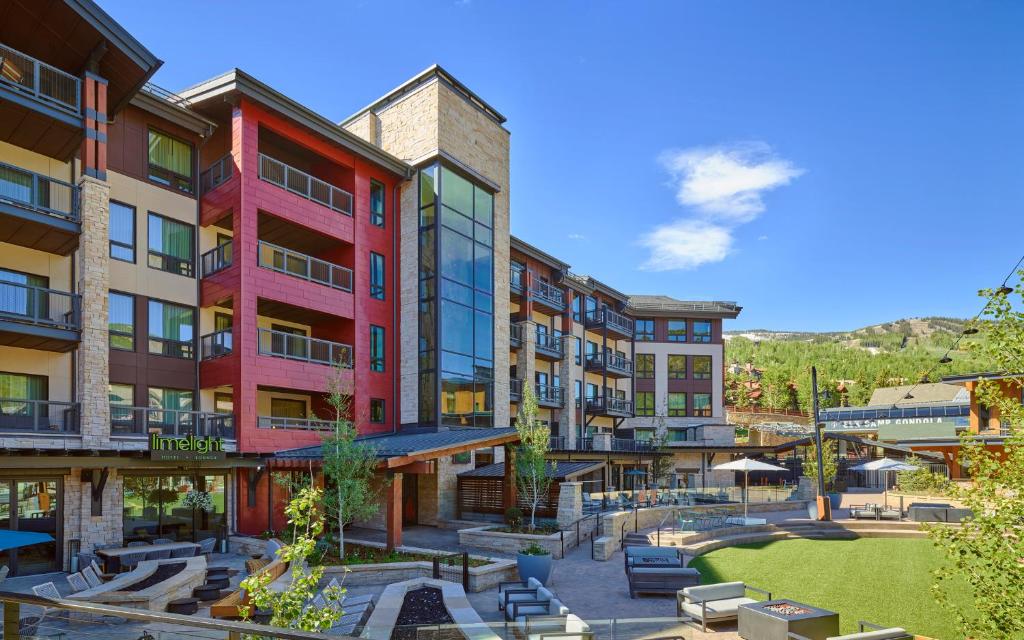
(200, 500)
(534, 561)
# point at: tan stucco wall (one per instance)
(55, 366)
(31, 161)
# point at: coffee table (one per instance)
(776, 619)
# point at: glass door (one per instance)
(31, 505)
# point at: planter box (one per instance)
(512, 543)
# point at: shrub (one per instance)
(534, 549)
(513, 517)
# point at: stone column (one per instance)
(526, 364)
(393, 512)
(567, 416)
(602, 442)
(570, 503)
(93, 276)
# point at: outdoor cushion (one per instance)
(641, 572)
(545, 594)
(521, 610)
(717, 610)
(532, 583)
(893, 633)
(716, 591)
(653, 552)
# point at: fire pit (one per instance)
(776, 619)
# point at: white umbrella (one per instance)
(884, 465)
(746, 465)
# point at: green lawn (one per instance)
(886, 581)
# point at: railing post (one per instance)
(465, 571)
(12, 620)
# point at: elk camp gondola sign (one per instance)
(185, 448)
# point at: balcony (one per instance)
(631, 445)
(550, 396)
(44, 101)
(515, 335)
(279, 344)
(38, 212)
(549, 346)
(547, 295)
(302, 266)
(610, 321)
(214, 345)
(305, 185)
(216, 259)
(38, 318)
(611, 364)
(611, 407)
(515, 389)
(141, 421)
(38, 417)
(303, 424)
(217, 174)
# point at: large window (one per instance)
(169, 409)
(702, 367)
(576, 314)
(376, 203)
(676, 404)
(645, 330)
(702, 404)
(676, 367)
(121, 321)
(579, 349)
(701, 331)
(153, 507)
(122, 232)
(171, 245)
(171, 329)
(645, 403)
(288, 408)
(645, 365)
(376, 348)
(376, 276)
(122, 399)
(677, 330)
(170, 162)
(19, 299)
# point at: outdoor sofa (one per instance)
(661, 580)
(868, 631)
(937, 512)
(715, 602)
(659, 556)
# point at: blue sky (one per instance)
(826, 165)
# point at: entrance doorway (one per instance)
(410, 501)
(31, 505)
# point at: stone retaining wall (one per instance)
(511, 543)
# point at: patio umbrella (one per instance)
(746, 465)
(884, 465)
(14, 539)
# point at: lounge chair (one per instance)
(163, 541)
(868, 631)
(516, 591)
(49, 591)
(207, 546)
(95, 566)
(869, 510)
(77, 582)
(92, 577)
(714, 602)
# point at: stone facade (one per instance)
(93, 277)
(570, 503)
(80, 524)
(567, 416)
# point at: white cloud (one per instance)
(727, 182)
(762, 237)
(576, 236)
(686, 244)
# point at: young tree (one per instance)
(531, 462)
(661, 464)
(987, 551)
(349, 465)
(829, 463)
(288, 607)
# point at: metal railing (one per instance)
(547, 293)
(305, 424)
(610, 319)
(515, 334)
(611, 361)
(549, 342)
(214, 345)
(628, 444)
(165, 94)
(305, 185)
(138, 421)
(171, 347)
(217, 173)
(38, 79)
(302, 266)
(584, 444)
(40, 193)
(216, 259)
(281, 344)
(20, 415)
(515, 388)
(548, 394)
(603, 404)
(38, 306)
(556, 443)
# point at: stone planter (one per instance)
(538, 567)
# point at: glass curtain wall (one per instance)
(456, 300)
(153, 507)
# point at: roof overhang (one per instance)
(54, 458)
(184, 118)
(517, 244)
(974, 377)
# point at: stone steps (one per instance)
(796, 533)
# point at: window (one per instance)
(170, 162)
(676, 367)
(121, 321)
(376, 276)
(676, 404)
(701, 331)
(288, 408)
(677, 330)
(122, 232)
(376, 348)
(171, 245)
(702, 404)
(223, 402)
(591, 390)
(645, 403)
(376, 203)
(578, 389)
(645, 330)
(170, 329)
(701, 367)
(168, 403)
(20, 386)
(122, 399)
(19, 296)
(643, 435)
(576, 310)
(377, 410)
(579, 349)
(645, 365)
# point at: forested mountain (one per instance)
(850, 364)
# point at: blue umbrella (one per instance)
(14, 539)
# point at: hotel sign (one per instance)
(185, 448)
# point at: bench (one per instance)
(227, 607)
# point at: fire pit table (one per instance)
(776, 619)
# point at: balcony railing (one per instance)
(37, 192)
(550, 395)
(216, 259)
(214, 345)
(172, 348)
(515, 335)
(305, 185)
(306, 267)
(628, 444)
(608, 405)
(217, 173)
(38, 306)
(556, 443)
(549, 343)
(548, 294)
(610, 319)
(612, 361)
(305, 424)
(287, 345)
(18, 415)
(516, 279)
(515, 389)
(140, 421)
(39, 80)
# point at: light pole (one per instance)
(824, 506)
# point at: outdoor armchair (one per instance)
(531, 584)
(868, 631)
(864, 511)
(715, 602)
(520, 603)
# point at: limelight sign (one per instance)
(185, 448)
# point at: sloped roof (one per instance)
(921, 394)
(668, 304)
(406, 444)
(562, 470)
